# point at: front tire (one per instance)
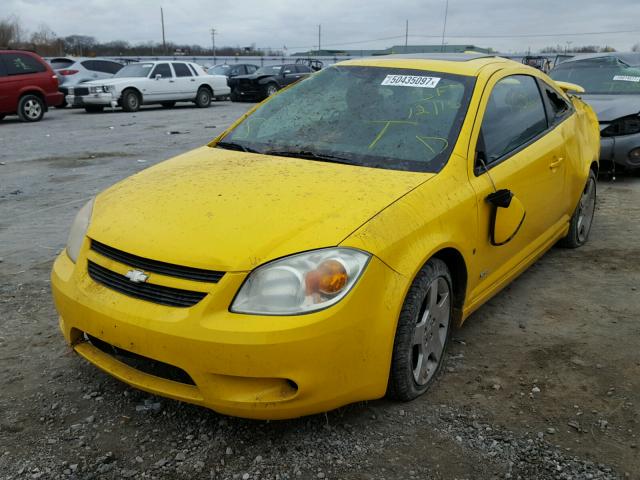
(203, 98)
(31, 108)
(270, 89)
(422, 333)
(130, 101)
(582, 218)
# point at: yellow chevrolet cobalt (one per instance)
(321, 250)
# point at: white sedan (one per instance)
(144, 83)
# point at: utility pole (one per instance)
(444, 26)
(164, 41)
(213, 44)
(406, 36)
(319, 38)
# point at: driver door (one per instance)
(164, 87)
(516, 150)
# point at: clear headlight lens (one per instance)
(108, 88)
(301, 283)
(79, 230)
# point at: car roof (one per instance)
(631, 58)
(459, 63)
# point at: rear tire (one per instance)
(203, 97)
(168, 104)
(582, 218)
(93, 108)
(130, 101)
(31, 108)
(422, 334)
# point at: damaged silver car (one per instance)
(612, 87)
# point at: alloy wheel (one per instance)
(430, 332)
(32, 109)
(587, 208)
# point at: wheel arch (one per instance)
(34, 91)
(135, 89)
(207, 86)
(457, 266)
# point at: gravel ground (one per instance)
(542, 382)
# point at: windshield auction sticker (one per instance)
(626, 78)
(410, 81)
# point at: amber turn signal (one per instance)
(329, 278)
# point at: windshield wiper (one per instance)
(321, 157)
(235, 146)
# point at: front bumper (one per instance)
(265, 367)
(616, 150)
(105, 99)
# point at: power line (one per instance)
(517, 35)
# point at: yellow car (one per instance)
(320, 250)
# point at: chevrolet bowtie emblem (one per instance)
(137, 276)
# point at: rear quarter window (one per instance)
(22, 64)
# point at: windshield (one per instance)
(604, 75)
(134, 70)
(397, 119)
(272, 70)
(219, 70)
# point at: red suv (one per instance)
(28, 85)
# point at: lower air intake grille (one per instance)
(143, 364)
(173, 297)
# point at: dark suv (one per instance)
(28, 85)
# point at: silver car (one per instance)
(73, 71)
(612, 87)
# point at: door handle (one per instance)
(172, 81)
(556, 162)
(193, 79)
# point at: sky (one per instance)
(513, 25)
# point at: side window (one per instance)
(557, 107)
(515, 114)
(251, 69)
(193, 69)
(288, 69)
(21, 64)
(102, 66)
(163, 70)
(236, 70)
(181, 70)
(3, 70)
(303, 69)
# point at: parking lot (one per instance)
(541, 382)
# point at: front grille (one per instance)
(148, 265)
(173, 297)
(141, 363)
(80, 91)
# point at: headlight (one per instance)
(108, 88)
(79, 230)
(95, 89)
(301, 283)
(622, 126)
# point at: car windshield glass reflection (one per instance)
(134, 70)
(272, 70)
(605, 75)
(396, 119)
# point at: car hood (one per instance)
(231, 211)
(610, 107)
(113, 81)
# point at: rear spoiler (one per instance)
(569, 87)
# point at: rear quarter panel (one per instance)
(584, 151)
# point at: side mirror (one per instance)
(506, 218)
(158, 76)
